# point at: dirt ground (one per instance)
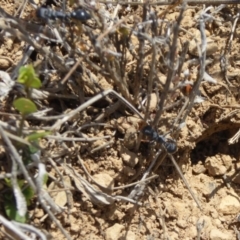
(207, 155)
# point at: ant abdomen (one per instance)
(46, 13)
(170, 145)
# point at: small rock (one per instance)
(116, 215)
(39, 213)
(199, 168)
(104, 180)
(211, 48)
(61, 197)
(218, 165)
(130, 138)
(182, 223)
(229, 205)
(209, 189)
(216, 234)
(129, 158)
(192, 232)
(130, 236)
(9, 44)
(114, 232)
(75, 228)
(4, 64)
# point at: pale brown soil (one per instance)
(209, 163)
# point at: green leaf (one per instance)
(8, 182)
(45, 178)
(28, 77)
(124, 31)
(11, 211)
(28, 194)
(25, 106)
(36, 136)
(21, 182)
(32, 149)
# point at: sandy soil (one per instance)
(209, 163)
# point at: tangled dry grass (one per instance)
(103, 80)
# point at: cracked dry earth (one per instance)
(208, 158)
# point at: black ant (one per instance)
(169, 144)
(79, 14)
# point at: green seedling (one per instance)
(10, 205)
(21, 194)
(25, 106)
(28, 77)
(36, 135)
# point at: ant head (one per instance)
(150, 132)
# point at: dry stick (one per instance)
(171, 72)
(114, 188)
(70, 72)
(107, 144)
(108, 111)
(18, 139)
(53, 218)
(168, 2)
(9, 225)
(150, 78)
(161, 215)
(202, 59)
(135, 183)
(21, 5)
(171, 66)
(182, 57)
(29, 228)
(140, 58)
(114, 74)
(17, 30)
(224, 58)
(99, 96)
(116, 9)
(68, 193)
(41, 196)
(235, 138)
(94, 124)
(60, 138)
(15, 157)
(137, 192)
(184, 180)
(237, 232)
(180, 173)
(21, 203)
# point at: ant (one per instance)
(169, 144)
(79, 14)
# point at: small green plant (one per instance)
(10, 205)
(21, 193)
(28, 78)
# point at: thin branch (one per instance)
(171, 66)
(10, 225)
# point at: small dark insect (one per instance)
(79, 14)
(169, 144)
